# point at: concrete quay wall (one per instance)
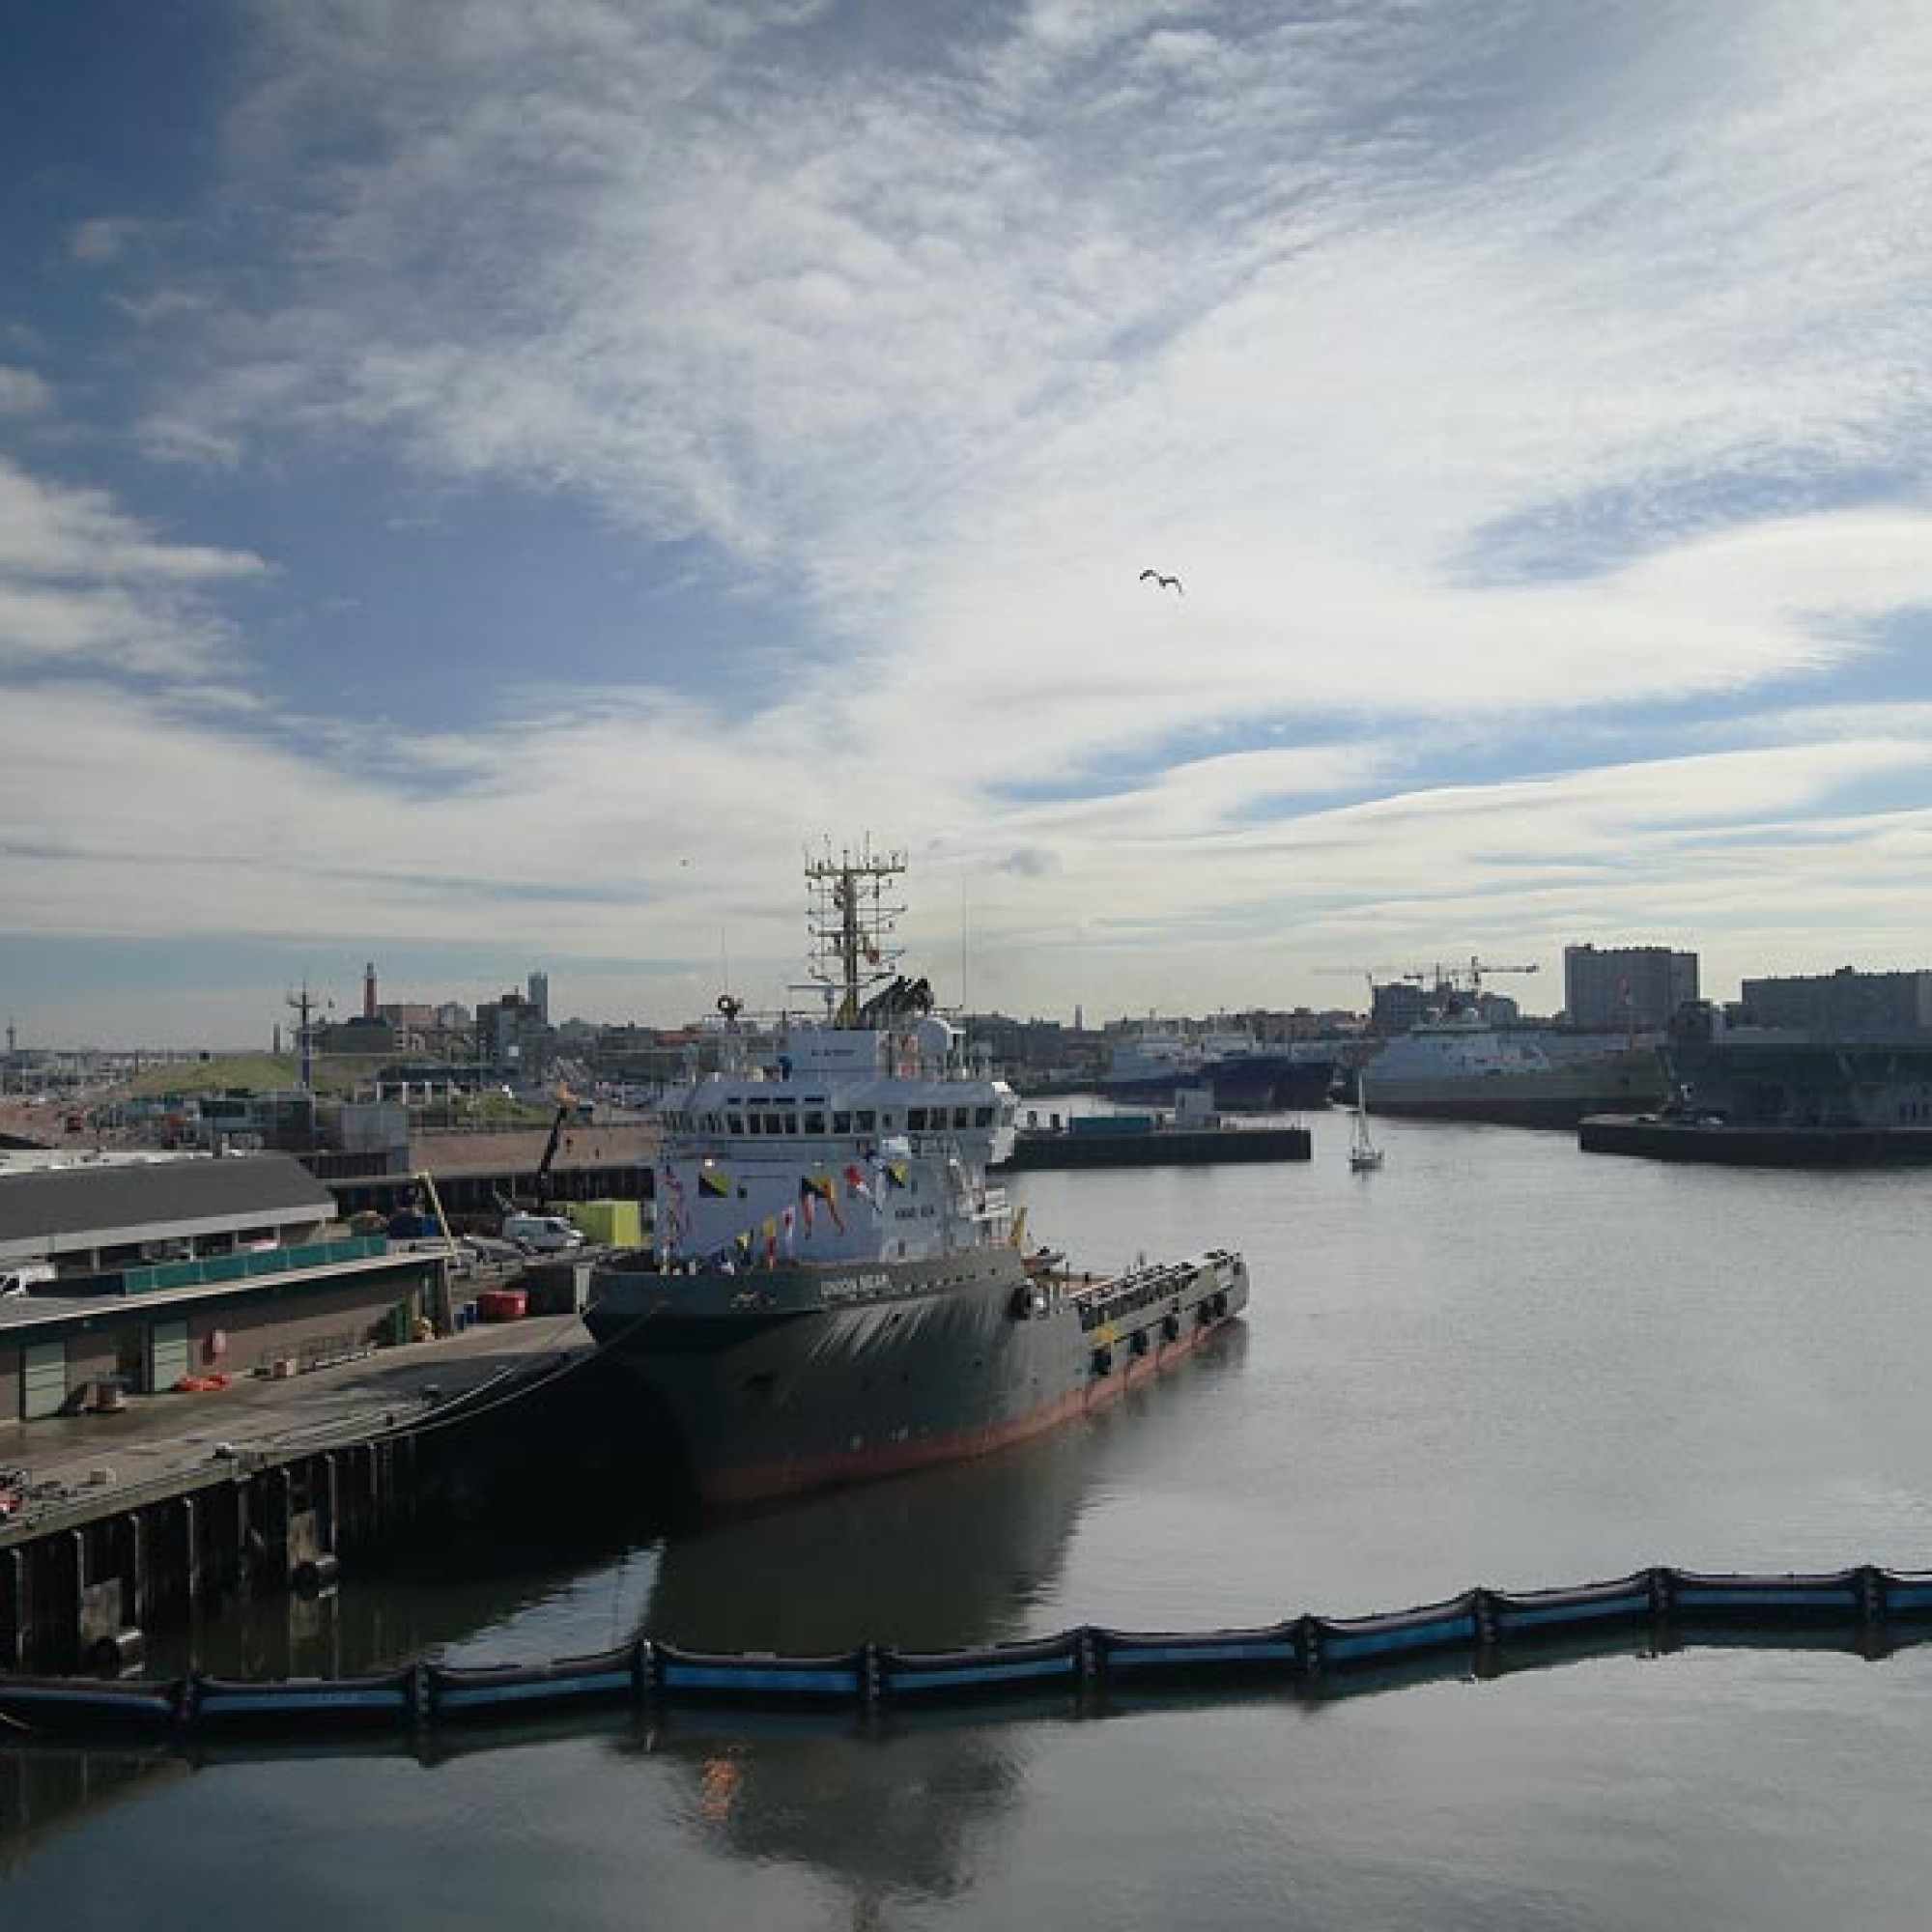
(132, 1522)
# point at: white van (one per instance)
(549, 1233)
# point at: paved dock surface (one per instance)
(159, 1440)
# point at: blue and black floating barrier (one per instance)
(1471, 1632)
(1839, 1596)
(1028, 1665)
(390, 1701)
(1337, 1642)
(456, 1694)
(1904, 1593)
(759, 1677)
(1125, 1658)
(1516, 1615)
(65, 1705)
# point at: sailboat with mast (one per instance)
(1364, 1156)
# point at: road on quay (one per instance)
(84, 1464)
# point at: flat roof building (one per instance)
(1847, 1000)
(1636, 988)
(147, 1272)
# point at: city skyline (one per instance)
(487, 486)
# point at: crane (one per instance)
(1476, 968)
(566, 1105)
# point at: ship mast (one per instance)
(851, 924)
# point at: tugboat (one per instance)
(834, 1293)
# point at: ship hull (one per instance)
(808, 1376)
(1249, 1084)
(1547, 1098)
(1507, 1109)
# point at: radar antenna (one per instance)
(852, 920)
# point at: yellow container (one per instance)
(611, 1224)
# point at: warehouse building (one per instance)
(130, 1274)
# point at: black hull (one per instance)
(1757, 1147)
(1257, 1086)
(1500, 1110)
(892, 1366)
(1161, 1146)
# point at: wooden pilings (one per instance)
(81, 1597)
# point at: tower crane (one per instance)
(1476, 968)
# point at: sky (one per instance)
(487, 487)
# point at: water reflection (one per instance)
(954, 1556)
(885, 1808)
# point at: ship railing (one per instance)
(1127, 1293)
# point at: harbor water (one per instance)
(1496, 1361)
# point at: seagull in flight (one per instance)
(1164, 583)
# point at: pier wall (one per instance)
(83, 1592)
(87, 1576)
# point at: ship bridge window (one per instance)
(841, 1124)
(789, 1124)
(864, 1119)
(916, 1120)
(734, 1124)
(983, 1117)
(814, 1123)
(962, 1117)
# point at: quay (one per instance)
(126, 1520)
(1755, 1145)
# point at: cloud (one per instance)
(22, 393)
(85, 586)
(1509, 387)
(103, 239)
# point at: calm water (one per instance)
(1497, 1361)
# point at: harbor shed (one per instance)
(138, 1273)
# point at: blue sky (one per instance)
(486, 487)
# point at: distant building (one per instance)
(1846, 1000)
(537, 991)
(239, 1118)
(1397, 1007)
(354, 1036)
(1626, 986)
(512, 1036)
